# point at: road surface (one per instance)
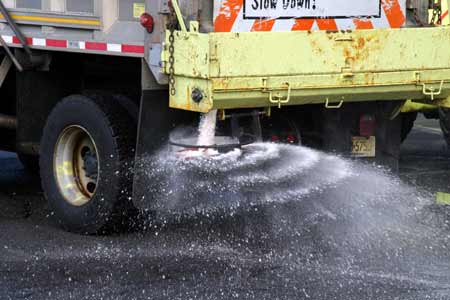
(323, 247)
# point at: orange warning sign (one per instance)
(291, 15)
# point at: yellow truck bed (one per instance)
(261, 69)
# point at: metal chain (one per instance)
(171, 64)
(172, 25)
(437, 13)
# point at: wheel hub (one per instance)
(76, 165)
(90, 164)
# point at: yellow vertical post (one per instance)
(442, 198)
(445, 16)
(177, 10)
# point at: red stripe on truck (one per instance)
(17, 41)
(56, 43)
(133, 49)
(93, 46)
(96, 46)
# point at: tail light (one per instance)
(147, 22)
(367, 125)
(291, 139)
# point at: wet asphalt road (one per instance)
(268, 252)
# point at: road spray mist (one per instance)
(295, 211)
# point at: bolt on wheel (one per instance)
(76, 165)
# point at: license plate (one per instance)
(363, 146)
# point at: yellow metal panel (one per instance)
(247, 69)
(275, 53)
(286, 53)
(184, 87)
(442, 198)
(411, 106)
(191, 54)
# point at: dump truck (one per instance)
(90, 87)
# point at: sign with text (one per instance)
(288, 9)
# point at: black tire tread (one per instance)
(444, 122)
(124, 137)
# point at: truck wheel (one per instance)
(444, 121)
(86, 163)
(408, 120)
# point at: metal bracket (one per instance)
(431, 91)
(397, 110)
(344, 39)
(268, 111)
(164, 7)
(347, 73)
(4, 69)
(278, 99)
(417, 75)
(264, 85)
(180, 19)
(329, 106)
(10, 55)
(193, 26)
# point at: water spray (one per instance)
(207, 142)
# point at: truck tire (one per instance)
(408, 120)
(444, 121)
(86, 163)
